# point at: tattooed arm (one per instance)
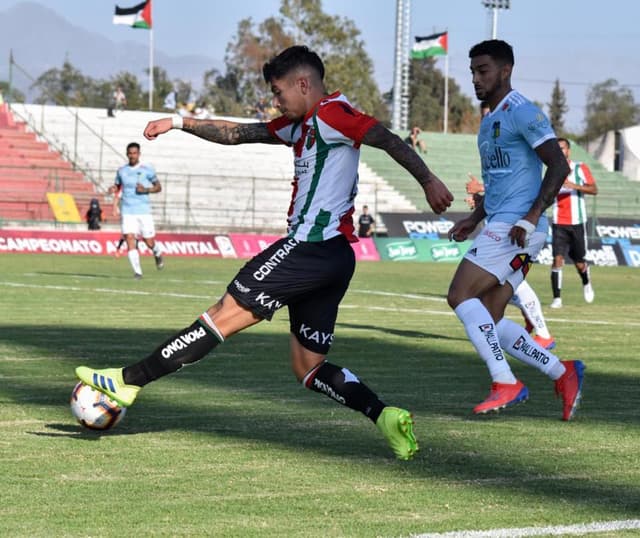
(436, 192)
(220, 131)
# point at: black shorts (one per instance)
(309, 278)
(569, 240)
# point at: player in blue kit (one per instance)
(133, 184)
(515, 138)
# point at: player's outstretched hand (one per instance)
(462, 229)
(157, 127)
(438, 196)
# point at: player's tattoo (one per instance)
(380, 137)
(229, 133)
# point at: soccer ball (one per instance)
(95, 410)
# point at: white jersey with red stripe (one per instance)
(569, 206)
(326, 149)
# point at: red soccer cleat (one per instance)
(502, 395)
(569, 386)
(547, 343)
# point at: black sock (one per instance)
(344, 387)
(584, 275)
(187, 346)
(555, 282)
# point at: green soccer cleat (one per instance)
(109, 381)
(397, 426)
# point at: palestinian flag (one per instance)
(137, 16)
(431, 45)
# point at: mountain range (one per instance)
(51, 39)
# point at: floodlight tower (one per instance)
(494, 6)
(400, 113)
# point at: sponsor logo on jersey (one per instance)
(496, 159)
(473, 251)
(528, 350)
(319, 337)
(182, 342)
(489, 332)
(491, 235)
(541, 122)
(495, 130)
(265, 269)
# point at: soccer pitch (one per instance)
(234, 447)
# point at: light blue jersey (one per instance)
(511, 169)
(128, 177)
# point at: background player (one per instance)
(133, 184)
(569, 233)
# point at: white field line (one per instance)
(580, 530)
(447, 312)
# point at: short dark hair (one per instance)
(496, 48)
(133, 145)
(561, 139)
(290, 59)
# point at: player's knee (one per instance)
(454, 297)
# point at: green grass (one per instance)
(234, 447)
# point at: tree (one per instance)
(609, 107)
(334, 38)
(222, 93)
(66, 86)
(162, 86)
(426, 100)
(16, 95)
(131, 87)
(558, 108)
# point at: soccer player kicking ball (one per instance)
(309, 270)
(515, 138)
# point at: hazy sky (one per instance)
(581, 42)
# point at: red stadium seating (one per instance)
(29, 169)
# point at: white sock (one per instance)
(156, 250)
(134, 260)
(527, 300)
(517, 343)
(482, 332)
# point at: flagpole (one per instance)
(446, 91)
(151, 68)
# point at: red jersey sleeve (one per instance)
(350, 125)
(586, 174)
(282, 128)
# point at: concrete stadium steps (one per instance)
(29, 169)
(453, 156)
(219, 177)
(617, 194)
(449, 156)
